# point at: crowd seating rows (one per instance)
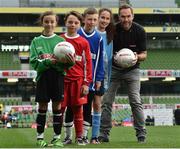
(157, 59)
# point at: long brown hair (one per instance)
(47, 13)
(110, 29)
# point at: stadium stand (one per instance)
(153, 4)
(160, 19)
(13, 3)
(122, 111)
(168, 100)
(9, 60)
(90, 3)
(11, 101)
(162, 59)
(78, 3)
(60, 3)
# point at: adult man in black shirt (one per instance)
(128, 35)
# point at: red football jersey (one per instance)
(83, 65)
(80, 74)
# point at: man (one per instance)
(128, 35)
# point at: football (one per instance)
(124, 58)
(63, 48)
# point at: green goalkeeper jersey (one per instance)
(41, 50)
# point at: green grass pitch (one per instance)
(121, 137)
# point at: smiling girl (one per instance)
(50, 77)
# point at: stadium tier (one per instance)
(9, 61)
(162, 59)
(157, 59)
(154, 4)
(19, 27)
(90, 3)
(122, 111)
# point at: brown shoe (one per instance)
(95, 141)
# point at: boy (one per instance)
(96, 89)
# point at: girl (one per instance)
(106, 29)
(50, 77)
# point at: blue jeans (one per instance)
(132, 79)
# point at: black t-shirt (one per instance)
(134, 39)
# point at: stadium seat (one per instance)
(153, 4)
(9, 61)
(162, 59)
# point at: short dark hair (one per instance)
(125, 6)
(90, 11)
(74, 13)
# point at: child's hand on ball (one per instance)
(53, 60)
(70, 58)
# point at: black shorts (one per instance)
(50, 86)
(101, 91)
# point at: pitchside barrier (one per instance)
(158, 110)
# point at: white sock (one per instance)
(68, 130)
(56, 136)
(86, 127)
(40, 135)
